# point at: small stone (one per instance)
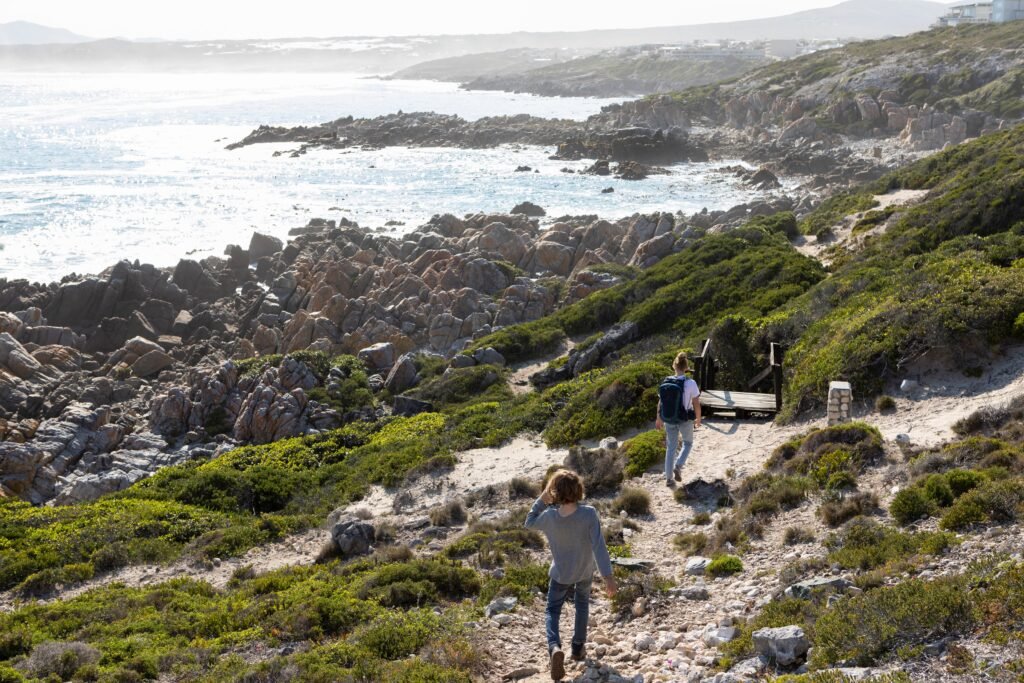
(785, 645)
(500, 605)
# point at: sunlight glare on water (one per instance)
(97, 168)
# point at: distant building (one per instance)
(1007, 10)
(967, 13)
(783, 49)
(995, 12)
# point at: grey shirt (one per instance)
(576, 541)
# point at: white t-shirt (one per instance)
(690, 391)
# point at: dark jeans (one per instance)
(579, 593)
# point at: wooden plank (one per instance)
(764, 373)
(718, 400)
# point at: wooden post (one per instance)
(776, 362)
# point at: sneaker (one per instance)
(557, 664)
(678, 474)
(671, 484)
(579, 653)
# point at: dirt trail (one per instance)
(727, 449)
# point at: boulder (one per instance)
(528, 209)
(14, 357)
(378, 356)
(403, 375)
(151, 363)
(785, 645)
(487, 356)
(261, 245)
(353, 536)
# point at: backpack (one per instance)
(671, 392)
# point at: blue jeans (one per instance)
(557, 594)
(675, 459)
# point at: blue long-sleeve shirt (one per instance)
(576, 541)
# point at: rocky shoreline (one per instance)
(105, 379)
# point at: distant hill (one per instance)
(850, 19)
(27, 33)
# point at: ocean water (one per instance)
(97, 168)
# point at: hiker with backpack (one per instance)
(678, 414)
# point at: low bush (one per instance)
(991, 502)
(600, 468)
(909, 505)
(724, 565)
(864, 628)
(864, 544)
(59, 659)
(633, 501)
(701, 518)
(520, 487)
(836, 512)
(449, 514)
(644, 451)
(796, 535)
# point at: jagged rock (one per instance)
(699, 489)
(15, 358)
(528, 209)
(805, 127)
(805, 589)
(269, 414)
(261, 245)
(151, 363)
(713, 636)
(696, 566)
(353, 537)
(488, 356)
(785, 645)
(499, 605)
(378, 356)
(194, 279)
(403, 375)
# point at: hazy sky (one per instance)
(196, 19)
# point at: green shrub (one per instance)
(992, 501)
(9, 675)
(864, 544)
(644, 451)
(398, 634)
(962, 481)
(633, 501)
(937, 490)
(910, 505)
(867, 627)
(725, 565)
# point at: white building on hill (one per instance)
(995, 12)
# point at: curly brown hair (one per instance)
(566, 487)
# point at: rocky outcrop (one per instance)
(417, 129)
(642, 144)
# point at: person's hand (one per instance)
(658, 424)
(610, 587)
(696, 423)
(547, 496)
